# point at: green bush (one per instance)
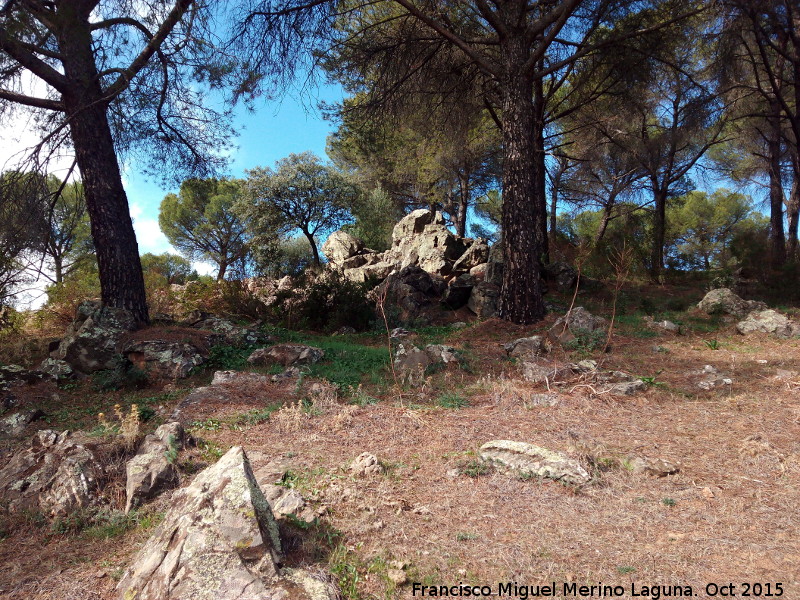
(123, 376)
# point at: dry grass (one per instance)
(730, 514)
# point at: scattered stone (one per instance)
(439, 353)
(162, 359)
(656, 467)
(345, 330)
(289, 374)
(16, 423)
(410, 359)
(575, 323)
(16, 373)
(59, 370)
(399, 332)
(233, 334)
(54, 475)
(541, 370)
(527, 348)
(665, 325)
(218, 541)
(153, 469)
(769, 321)
(629, 388)
(458, 325)
(287, 355)
(724, 301)
(239, 377)
(366, 464)
(484, 300)
(90, 342)
(527, 459)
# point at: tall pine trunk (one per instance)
(539, 205)
(659, 233)
(121, 279)
(776, 232)
(521, 297)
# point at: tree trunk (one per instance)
(463, 204)
(121, 279)
(604, 221)
(223, 267)
(776, 233)
(659, 233)
(314, 251)
(793, 216)
(539, 204)
(521, 296)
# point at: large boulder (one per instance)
(563, 274)
(458, 291)
(163, 359)
(231, 333)
(422, 239)
(529, 460)
(411, 290)
(218, 541)
(769, 321)
(55, 475)
(90, 342)
(287, 355)
(527, 348)
(494, 266)
(153, 469)
(340, 246)
(476, 254)
(16, 423)
(724, 301)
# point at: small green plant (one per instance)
(463, 536)
(360, 398)
(209, 425)
(668, 502)
(712, 344)
(586, 342)
(256, 416)
(227, 358)
(171, 453)
(122, 376)
(651, 380)
(475, 468)
(625, 570)
(452, 400)
(209, 451)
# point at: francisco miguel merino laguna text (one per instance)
(512, 589)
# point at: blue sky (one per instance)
(271, 132)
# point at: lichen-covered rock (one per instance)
(422, 239)
(16, 423)
(543, 370)
(238, 377)
(286, 355)
(657, 467)
(54, 475)
(90, 342)
(14, 373)
(629, 388)
(153, 469)
(411, 360)
(340, 246)
(366, 464)
(527, 348)
(233, 334)
(769, 321)
(665, 325)
(218, 541)
(163, 359)
(576, 322)
(58, 370)
(724, 301)
(484, 300)
(439, 353)
(528, 459)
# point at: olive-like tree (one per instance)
(301, 193)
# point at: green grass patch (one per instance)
(452, 400)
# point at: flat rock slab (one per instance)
(527, 459)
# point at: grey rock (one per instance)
(152, 470)
(476, 254)
(656, 467)
(58, 370)
(563, 274)
(233, 334)
(629, 388)
(54, 475)
(238, 377)
(440, 353)
(576, 322)
(527, 348)
(287, 355)
(340, 246)
(457, 293)
(411, 361)
(163, 359)
(366, 464)
(528, 459)
(218, 541)
(16, 373)
(90, 342)
(724, 301)
(540, 371)
(484, 300)
(289, 374)
(769, 321)
(16, 423)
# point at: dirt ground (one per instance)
(731, 515)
